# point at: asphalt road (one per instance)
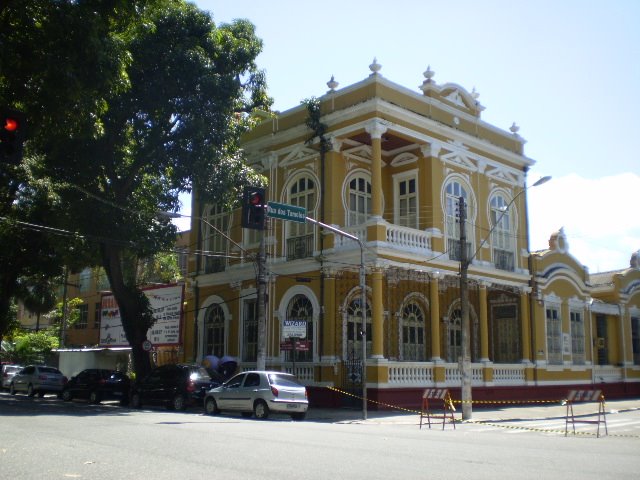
(49, 439)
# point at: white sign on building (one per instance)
(166, 303)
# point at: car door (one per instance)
(21, 380)
(248, 391)
(228, 396)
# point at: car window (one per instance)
(28, 370)
(284, 380)
(236, 381)
(252, 380)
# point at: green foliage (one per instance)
(314, 123)
(129, 104)
(33, 347)
(161, 268)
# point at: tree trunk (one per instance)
(134, 313)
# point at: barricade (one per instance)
(583, 396)
(437, 394)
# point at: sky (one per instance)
(567, 72)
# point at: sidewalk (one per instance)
(479, 414)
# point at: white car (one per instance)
(8, 371)
(259, 393)
(38, 379)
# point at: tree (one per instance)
(149, 100)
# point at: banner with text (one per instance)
(166, 304)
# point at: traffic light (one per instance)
(12, 130)
(254, 207)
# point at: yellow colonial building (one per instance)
(395, 164)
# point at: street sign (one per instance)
(286, 212)
(294, 328)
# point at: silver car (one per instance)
(259, 393)
(37, 379)
(8, 371)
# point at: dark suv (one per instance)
(175, 386)
(96, 384)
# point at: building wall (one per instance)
(391, 137)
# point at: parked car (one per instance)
(38, 379)
(8, 371)
(96, 384)
(259, 393)
(175, 386)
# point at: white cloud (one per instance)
(599, 216)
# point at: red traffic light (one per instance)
(255, 199)
(11, 124)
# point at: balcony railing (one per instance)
(503, 260)
(299, 247)
(455, 253)
(214, 264)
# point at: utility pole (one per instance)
(261, 360)
(465, 364)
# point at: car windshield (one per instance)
(284, 380)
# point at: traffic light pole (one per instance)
(261, 360)
(363, 305)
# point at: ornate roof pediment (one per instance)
(300, 153)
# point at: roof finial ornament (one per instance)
(475, 94)
(332, 84)
(514, 129)
(375, 66)
(428, 74)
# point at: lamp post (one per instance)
(465, 261)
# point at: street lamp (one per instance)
(464, 297)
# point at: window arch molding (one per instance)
(454, 186)
(354, 295)
(283, 306)
(422, 302)
(472, 202)
(453, 324)
(513, 209)
(296, 177)
(202, 313)
(503, 223)
(359, 173)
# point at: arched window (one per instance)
(302, 193)
(359, 200)
(354, 329)
(453, 191)
(502, 236)
(300, 308)
(214, 331)
(214, 244)
(413, 332)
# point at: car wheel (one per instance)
(210, 406)
(30, 391)
(12, 389)
(94, 397)
(179, 402)
(298, 416)
(135, 400)
(66, 395)
(261, 410)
